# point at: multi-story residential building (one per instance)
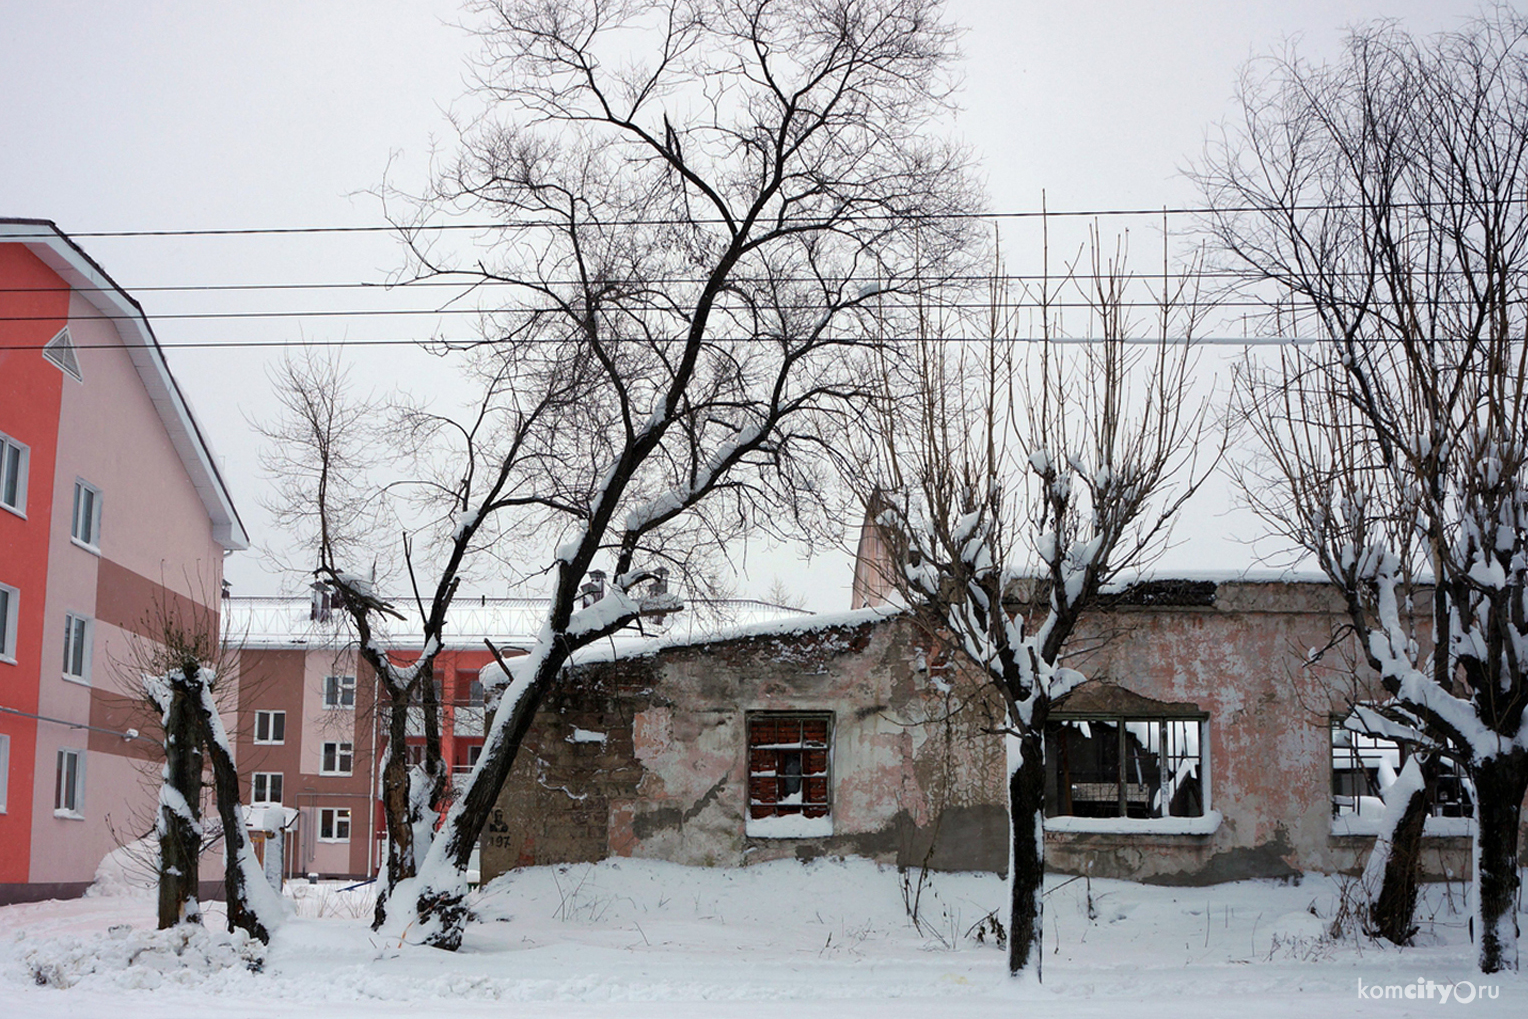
(113, 516)
(309, 733)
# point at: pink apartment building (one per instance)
(112, 514)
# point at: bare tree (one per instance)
(695, 240)
(1026, 464)
(325, 455)
(1376, 205)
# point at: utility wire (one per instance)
(443, 345)
(1003, 306)
(472, 282)
(1186, 210)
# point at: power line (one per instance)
(1185, 210)
(473, 282)
(1006, 306)
(455, 345)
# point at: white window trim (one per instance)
(87, 639)
(61, 353)
(791, 826)
(1206, 824)
(23, 467)
(334, 824)
(78, 813)
(8, 624)
(270, 742)
(254, 778)
(94, 544)
(323, 753)
(340, 689)
(5, 771)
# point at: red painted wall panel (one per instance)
(34, 306)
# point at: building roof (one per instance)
(59, 253)
(511, 623)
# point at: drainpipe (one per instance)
(371, 790)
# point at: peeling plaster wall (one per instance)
(917, 774)
(1242, 659)
(669, 779)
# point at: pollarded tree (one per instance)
(1377, 205)
(1035, 464)
(698, 205)
(178, 668)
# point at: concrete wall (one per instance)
(916, 771)
(669, 779)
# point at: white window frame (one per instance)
(331, 819)
(344, 751)
(343, 689)
(1375, 761)
(774, 809)
(270, 724)
(79, 634)
(1165, 823)
(69, 800)
(86, 535)
(19, 454)
(61, 353)
(264, 778)
(5, 771)
(10, 610)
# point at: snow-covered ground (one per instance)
(831, 938)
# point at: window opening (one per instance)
(1124, 767)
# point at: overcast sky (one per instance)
(142, 115)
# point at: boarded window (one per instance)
(788, 765)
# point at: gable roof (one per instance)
(58, 252)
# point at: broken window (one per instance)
(1124, 767)
(1364, 766)
(789, 781)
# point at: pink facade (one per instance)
(134, 525)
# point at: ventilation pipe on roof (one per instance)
(593, 589)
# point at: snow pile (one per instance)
(128, 870)
(122, 957)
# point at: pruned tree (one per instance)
(1376, 205)
(178, 668)
(701, 204)
(178, 827)
(1031, 464)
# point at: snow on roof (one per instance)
(54, 248)
(254, 622)
(782, 626)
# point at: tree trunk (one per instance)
(179, 828)
(1500, 783)
(225, 779)
(440, 910)
(401, 864)
(1391, 911)
(1026, 879)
